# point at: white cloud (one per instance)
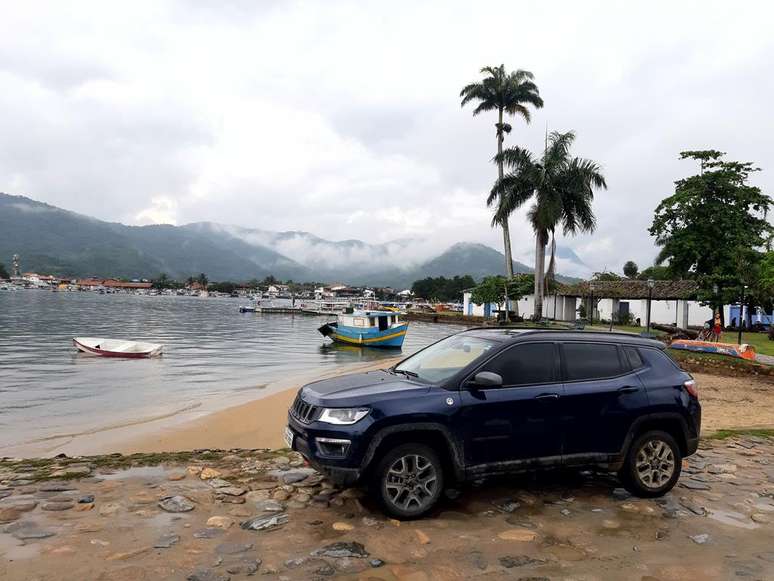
(342, 118)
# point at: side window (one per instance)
(591, 361)
(633, 355)
(525, 364)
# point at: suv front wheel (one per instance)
(408, 480)
(653, 465)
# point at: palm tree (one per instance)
(505, 93)
(563, 187)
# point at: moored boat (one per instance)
(743, 351)
(367, 329)
(117, 347)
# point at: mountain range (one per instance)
(55, 241)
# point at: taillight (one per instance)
(692, 388)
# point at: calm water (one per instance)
(213, 356)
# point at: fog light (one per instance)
(333, 447)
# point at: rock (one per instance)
(57, 506)
(690, 505)
(5, 493)
(506, 506)
(621, 494)
(721, 468)
(263, 485)
(232, 491)
(221, 522)
(342, 550)
(700, 539)
(194, 470)
(99, 542)
(84, 507)
(208, 533)
(280, 495)
(209, 473)
(565, 512)
(218, 483)
(478, 560)
(281, 461)
(691, 484)
(422, 537)
(760, 518)
(203, 574)
(233, 548)
(176, 476)
(611, 524)
(376, 563)
(302, 497)
(11, 512)
(371, 522)
(244, 567)
(269, 505)
(71, 471)
(293, 476)
(56, 487)
(326, 570)
(342, 526)
(27, 531)
(520, 535)
(265, 523)
(86, 499)
(509, 562)
(109, 508)
(176, 503)
(166, 541)
(128, 554)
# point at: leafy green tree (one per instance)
(3, 271)
(494, 289)
(766, 274)
(507, 93)
(563, 187)
(605, 276)
(656, 273)
(714, 227)
(630, 269)
(442, 288)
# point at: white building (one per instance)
(672, 303)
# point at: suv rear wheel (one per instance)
(408, 480)
(653, 465)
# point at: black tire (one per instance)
(421, 488)
(652, 465)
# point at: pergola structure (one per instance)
(562, 304)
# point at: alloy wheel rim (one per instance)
(411, 482)
(655, 463)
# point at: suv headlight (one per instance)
(342, 416)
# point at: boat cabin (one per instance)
(381, 320)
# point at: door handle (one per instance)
(547, 396)
(628, 389)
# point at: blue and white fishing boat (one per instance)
(367, 328)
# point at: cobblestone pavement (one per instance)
(230, 516)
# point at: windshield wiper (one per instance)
(406, 372)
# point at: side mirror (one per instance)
(487, 379)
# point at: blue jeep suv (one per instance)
(493, 401)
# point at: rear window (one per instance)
(633, 355)
(591, 361)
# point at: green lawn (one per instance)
(624, 328)
(760, 341)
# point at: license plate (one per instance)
(288, 437)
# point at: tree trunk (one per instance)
(551, 270)
(506, 229)
(540, 264)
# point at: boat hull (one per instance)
(389, 338)
(88, 346)
(730, 349)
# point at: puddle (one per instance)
(12, 549)
(147, 472)
(734, 519)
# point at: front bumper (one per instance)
(342, 470)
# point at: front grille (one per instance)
(302, 411)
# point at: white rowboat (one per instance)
(117, 347)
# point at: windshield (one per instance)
(445, 358)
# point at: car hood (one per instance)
(359, 389)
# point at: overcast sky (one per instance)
(343, 118)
